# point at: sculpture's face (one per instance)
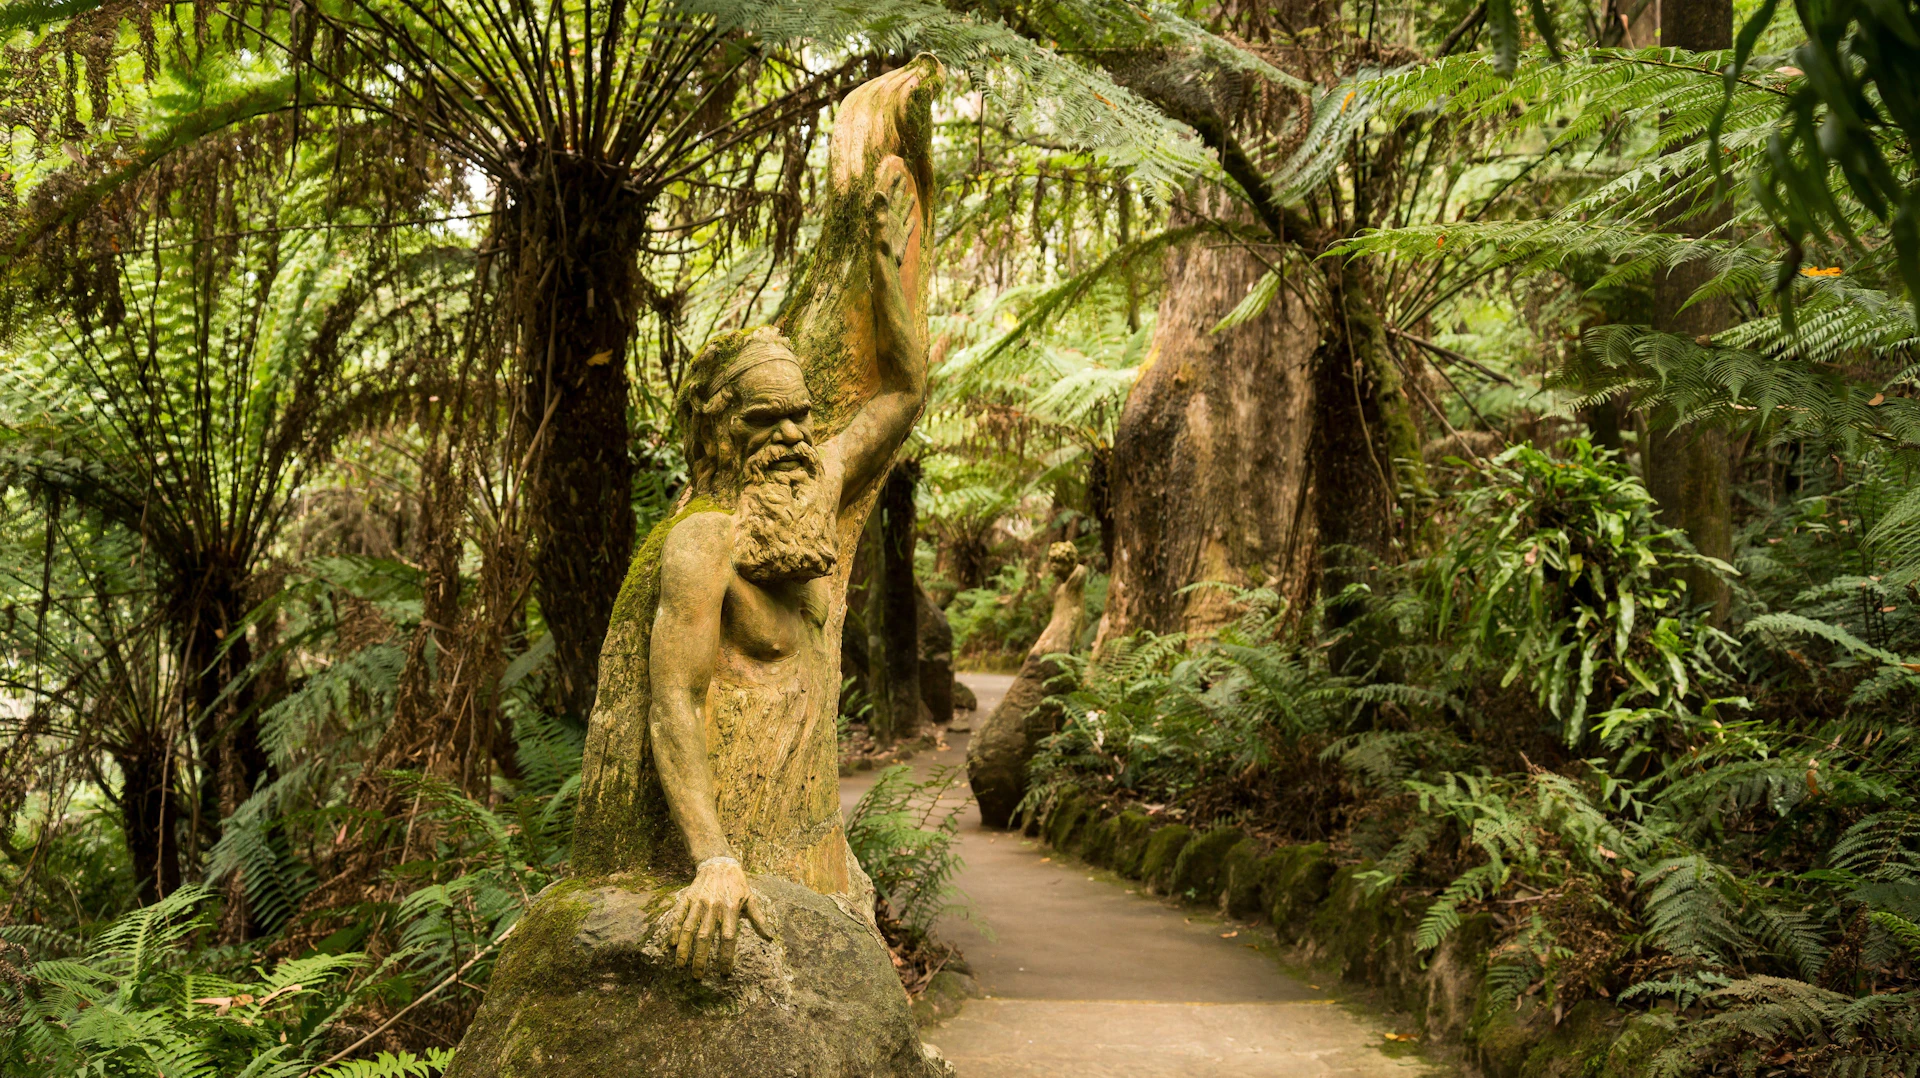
(771, 408)
(786, 524)
(1063, 559)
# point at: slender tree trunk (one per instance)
(1362, 436)
(1208, 478)
(893, 609)
(575, 236)
(1687, 468)
(150, 816)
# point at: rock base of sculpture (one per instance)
(584, 990)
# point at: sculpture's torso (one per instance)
(772, 741)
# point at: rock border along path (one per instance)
(1086, 975)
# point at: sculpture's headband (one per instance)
(748, 359)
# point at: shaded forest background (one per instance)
(1497, 419)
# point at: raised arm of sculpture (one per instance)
(900, 357)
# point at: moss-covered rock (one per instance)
(1501, 1036)
(946, 993)
(1069, 814)
(1366, 933)
(1198, 872)
(1577, 1045)
(1095, 846)
(1130, 831)
(1633, 1048)
(1162, 852)
(1293, 884)
(1243, 878)
(584, 990)
(1455, 977)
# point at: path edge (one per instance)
(1324, 917)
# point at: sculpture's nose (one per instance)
(790, 432)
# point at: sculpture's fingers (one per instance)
(670, 924)
(757, 913)
(703, 939)
(729, 937)
(683, 936)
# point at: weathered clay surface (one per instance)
(584, 990)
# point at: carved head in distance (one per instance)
(749, 427)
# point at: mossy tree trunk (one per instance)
(1208, 478)
(150, 815)
(1687, 468)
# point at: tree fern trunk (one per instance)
(575, 236)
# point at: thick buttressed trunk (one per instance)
(1208, 476)
(893, 609)
(577, 229)
(1362, 436)
(1687, 468)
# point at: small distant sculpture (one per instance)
(998, 755)
(717, 924)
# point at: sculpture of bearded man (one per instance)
(727, 631)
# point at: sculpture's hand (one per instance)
(703, 926)
(895, 215)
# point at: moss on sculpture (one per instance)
(590, 992)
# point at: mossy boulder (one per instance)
(1366, 932)
(1071, 811)
(1501, 1036)
(1577, 1045)
(946, 993)
(1162, 853)
(1198, 872)
(1130, 831)
(1294, 882)
(1095, 846)
(1633, 1048)
(1243, 878)
(583, 989)
(1456, 976)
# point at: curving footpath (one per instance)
(1086, 976)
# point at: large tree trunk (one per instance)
(575, 235)
(893, 609)
(1209, 472)
(1687, 468)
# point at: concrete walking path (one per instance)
(1086, 975)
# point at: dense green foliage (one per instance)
(285, 741)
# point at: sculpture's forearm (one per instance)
(898, 350)
(680, 753)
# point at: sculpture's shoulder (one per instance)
(699, 543)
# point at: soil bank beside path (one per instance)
(1086, 975)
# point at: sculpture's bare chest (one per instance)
(772, 622)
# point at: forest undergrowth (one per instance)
(1529, 717)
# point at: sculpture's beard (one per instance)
(786, 527)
